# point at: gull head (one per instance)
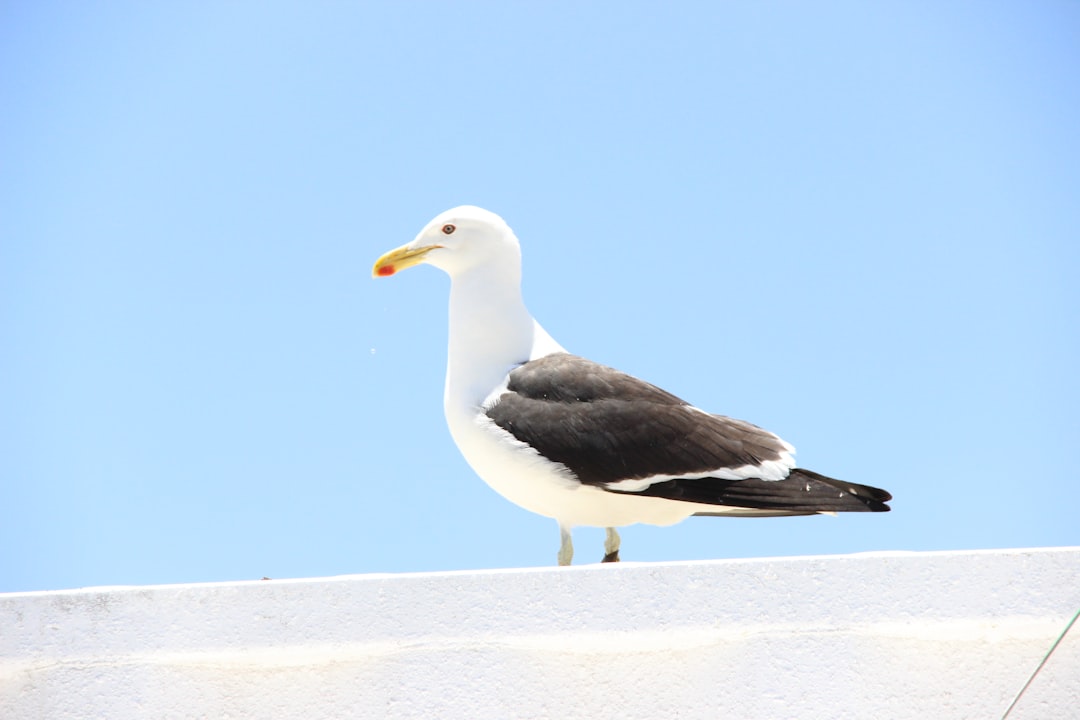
(456, 241)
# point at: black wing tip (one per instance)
(802, 492)
(872, 498)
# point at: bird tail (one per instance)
(802, 492)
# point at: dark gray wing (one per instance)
(606, 427)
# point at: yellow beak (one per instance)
(400, 258)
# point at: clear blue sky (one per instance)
(855, 224)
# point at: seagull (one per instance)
(579, 442)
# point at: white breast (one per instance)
(524, 477)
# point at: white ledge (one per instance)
(892, 635)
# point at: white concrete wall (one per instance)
(898, 635)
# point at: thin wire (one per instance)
(1043, 662)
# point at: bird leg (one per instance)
(566, 546)
(611, 546)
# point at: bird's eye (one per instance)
(448, 229)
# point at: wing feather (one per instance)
(607, 426)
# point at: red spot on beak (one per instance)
(386, 270)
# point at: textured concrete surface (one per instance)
(885, 635)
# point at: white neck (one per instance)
(490, 332)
